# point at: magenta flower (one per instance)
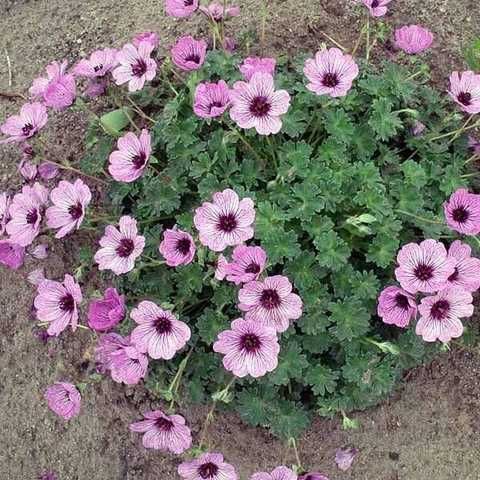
(250, 348)
(181, 8)
(70, 201)
(467, 268)
(57, 304)
(106, 313)
(377, 8)
(11, 254)
(225, 222)
(313, 476)
(28, 170)
(164, 432)
(4, 211)
(99, 64)
(425, 267)
(331, 72)
(49, 475)
(270, 302)
(344, 457)
(474, 144)
(440, 314)
(413, 39)
(26, 212)
(253, 65)
(149, 37)
(247, 264)
(47, 170)
(396, 306)
(177, 247)
(217, 12)
(211, 99)
(32, 118)
(158, 332)
(120, 247)
(63, 399)
(209, 466)
(189, 54)
(462, 212)
(53, 70)
(465, 90)
(257, 105)
(279, 473)
(221, 268)
(130, 160)
(136, 66)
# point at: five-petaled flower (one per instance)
(208, 466)
(465, 90)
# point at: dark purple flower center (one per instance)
(139, 68)
(32, 216)
(465, 98)
(125, 248)
(250, 342)
(163, 325)
(27, 128)
(402, 301)
(423, 272)
(270, 299)
(253, 268)
(188, 3)
(139, 160)
(183, 245)
(260, 106)
(330, 80)
(454, 275)
(193, 57)
(208, 470)
(67, 303)
(215, 105)
(440, 309)
(164, 424)
(227, 223)
(76, 211)
(460, 214)
(97, 68)
(375, 3)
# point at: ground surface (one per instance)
(429, 429)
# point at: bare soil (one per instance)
(430, 428)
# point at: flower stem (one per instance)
(477, 240)
(249, 146)
(423, 219)
(140, 111)
(454, 132)
(462, 129)
(474, 157)
(367, 30)
(293, 443)
(329, 38)
(175, 384)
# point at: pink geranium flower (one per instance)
(130, 160)
(462, 212)
(136, 66)
(164, 432)
(57, 304)
(181, 8)
(120, 247)
(279, 473)
(250, 348)
(63, 399)
(4, 211)
(344, 457)
(177, 247)
(158, 332)
(467, 268)
(32, 118)
(221, 268)
(70, 201)
(211, 99)
(424, 267)
(40, 252)
(47, 170)
(440, 314)
(258, 105)
(270, 302)
(36, 277)
(474, 144)
(28, 170)
(11, 254)
(396, 306)
(26, 212)
(189, 54)
(331, 72)
(377, 8)
(465, 90)
(99, 64)
(253, 65)
(107, 312)
(217, 12)
(418, 128)
(247, 264)
(209, 466)
(413, 39)
(225, 222)
(149, 37)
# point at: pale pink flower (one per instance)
(189, 54)
(211, 99)
(396, 306)
(28, 170)
(181, 8)
(40, 252)
(128, 163)
(465, 90)
(377, 8)
(57, 304)
(120, 247)
(462, 212)
(258, 105)
(107, 312)
(225, 222)
(208, 466)
(70, 201)
(164, 432)
(279, 473)
(247, 264)
(99, 64)
(467, 268)
(32, 118)
(250, 348)
(413, 39)
(344, 457)
(331, 72)
(270, 302)
(474, 144)
(158, 332)
(136, 66)
(11, 254)
(36, 277)
(424, 267)
(229, 44)
(4, 211)
(26, 212)
(96, 88)
(53, 70)
(253, 65)
(221, 268)
(47, 170)
(149, 37)
(177, 247)
(63, 399)
(440, 314)
(216, 12)
(418, 128)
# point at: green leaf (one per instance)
(291, 364)
(322, 379)
(384, 122)
(350, 319)
(114, 122)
